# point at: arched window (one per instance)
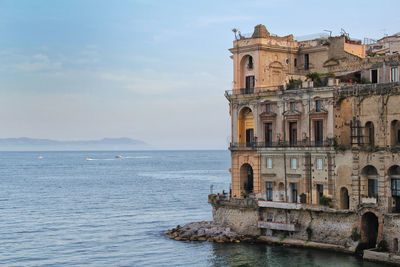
(250, 63)
(372, 176)
(395, 133)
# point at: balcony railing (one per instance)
(327, 143)
(248, 91)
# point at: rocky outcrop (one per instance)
(207, 231)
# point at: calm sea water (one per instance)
(64, 210)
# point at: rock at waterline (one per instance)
(207, 231)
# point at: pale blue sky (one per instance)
(150, 70)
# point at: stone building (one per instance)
(310, 155)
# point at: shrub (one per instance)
(324, 200)
(355, 236)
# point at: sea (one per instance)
(108, 208)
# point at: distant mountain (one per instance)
(24, 143)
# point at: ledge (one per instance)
(308, 244)
(291, 227)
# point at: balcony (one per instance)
(250, 91)
(290, 227)
(279, 205)
(327, 143)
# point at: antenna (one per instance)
(330, 32)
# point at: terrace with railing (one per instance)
(326, 143)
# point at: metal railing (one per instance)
(327, 143)
(249, 91)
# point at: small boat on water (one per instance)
(89, 159)
(118, 157)
(40, 157)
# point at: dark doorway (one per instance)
(249, 137)
(320, 191)
(268, 134)
(294, 192)
(374, 76)
(369, 229)
(344, 198)
(249, 185)
(249, 85)
(318, 132)
(292, 133)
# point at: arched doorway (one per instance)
(369, 229)
(246, 179)
(246, 127)
(344, 198)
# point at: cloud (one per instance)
(38, 62)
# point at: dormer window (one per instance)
(317, 105)
(292, 106)
(250, 64)
(268, 108)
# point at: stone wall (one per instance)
(323, 227)
(239, 219)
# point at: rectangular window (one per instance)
(319, 164)
(306, 61)
(318, 105)
(292, 106)
(396, 187)
(268, 108)
(269, 163)
(292, 133)
(270, 191)
(372, 187)
(268, 134)
(295, 62)
(374, 76)
(293, 163)
(394, 75)
(318, 133)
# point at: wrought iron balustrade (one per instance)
(327, 143)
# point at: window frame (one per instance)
(319, 164)
(293, 166)
(269, 163)
(394, 70)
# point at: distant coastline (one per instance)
(33, 144)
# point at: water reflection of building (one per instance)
(316, 123)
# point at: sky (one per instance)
(149, 70)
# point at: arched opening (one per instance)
(246, 179)
(370, 173)
(369, 229)
(247, 76)
(344, 198)
(394, 176)
(246, 127)
(395, 133)
(369, 134)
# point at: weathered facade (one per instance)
(316, 155)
